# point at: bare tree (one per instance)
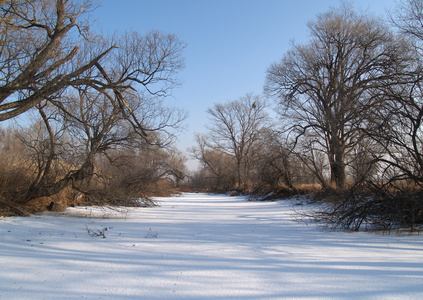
(235, 129)
(407, 17)
(176, 169)
(218, 168)
(96, 123)
(44, 144)
(39, 41)
(278, 162)
(398, 128)
(313, 155)
(389, 196)
(388, 161)
(46, 48)
(326, 87)
(50, 61)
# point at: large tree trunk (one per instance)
(337, 165)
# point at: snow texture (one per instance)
(200, 246)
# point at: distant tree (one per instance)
(235, 129)
(276, 162)
(218, 168)
(327, 87)
(174, 166)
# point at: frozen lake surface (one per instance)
(200, 246)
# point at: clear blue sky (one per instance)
(230, 43)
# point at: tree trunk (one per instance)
(337, 166)
(238, 169)
(78, 179)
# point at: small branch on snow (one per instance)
(151, 235)
(97, 232)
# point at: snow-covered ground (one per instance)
(200, 246)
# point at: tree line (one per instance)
(97, 128)
(349, 106)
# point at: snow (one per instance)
(200, 246)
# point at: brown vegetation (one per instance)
(127, 178)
